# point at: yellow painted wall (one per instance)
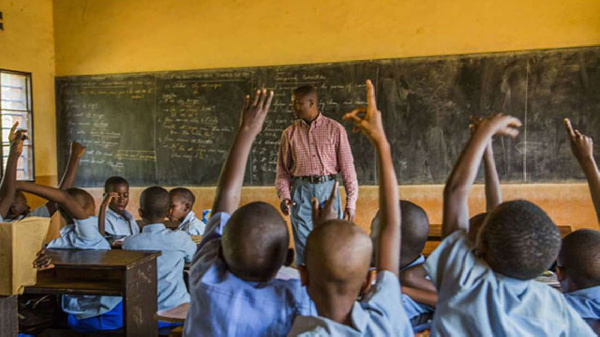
(27, 44)
(113, 36)
(117, 36)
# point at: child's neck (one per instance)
(336, 308)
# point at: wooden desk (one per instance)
(9, 322)
(130, 274)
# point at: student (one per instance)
(20, 209)
(86, 313)
(487, 289)
(176, 247)
(182, 202)
(418, 293)
(578, 265)
(338, 254)
(117, 222)
(232, 283)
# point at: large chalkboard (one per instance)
(175, 128)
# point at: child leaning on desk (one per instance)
(86, 313)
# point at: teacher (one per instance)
(313, 150)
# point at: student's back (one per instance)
(487, 288)
(176, 247)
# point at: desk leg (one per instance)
(140, 300)
(8, 316)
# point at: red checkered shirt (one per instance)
(318, 149)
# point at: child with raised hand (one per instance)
(578, 264)
(338, 255)
(21, 209)
(86, 313)
(582, 147)
(232, 277)
(487, 289)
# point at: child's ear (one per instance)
(368, 283)
(188, 206)
(289, 259)
(303, 275)
(141, 213)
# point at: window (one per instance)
(15, 99)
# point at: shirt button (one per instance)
(314, 156)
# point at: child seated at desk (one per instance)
(182, 203)
(232, 277)
(177, 248)
(86, 313)
(487, 289)
(115, 221)
(578, 265)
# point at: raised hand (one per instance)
(17, 139)
(368, 120)
(582, 146)
(327, 212)
(500, 125)
(77, 150)
(254, 114)
(108, 197)
(13, 132)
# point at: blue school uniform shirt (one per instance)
(116, 225)
(412, 307)
(225, 305)
(177, 248)
(379, 314)
(192, 225)
(473, 300)
(83, 234)
(42, 212)
(586, 302)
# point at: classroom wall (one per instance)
(27, 44)
(121, 36)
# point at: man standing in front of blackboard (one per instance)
(313, 150)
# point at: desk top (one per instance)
(100, 259)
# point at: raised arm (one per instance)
(583, 149)
(369, 122)
(8, 186)
(230, 183)
(108, 197)
(458, 186)
(493, 194)
(55, 195)
(68, 178)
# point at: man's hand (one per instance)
(328, 212)
(42, 261)
(368, 120)
(285, 206)
(77, 150)
(253, 115)
(582, 146)
(349, 214)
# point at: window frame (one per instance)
(30, 111)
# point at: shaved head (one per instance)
(255, 242)
(338, 254)
(579, 257)
(84, 199)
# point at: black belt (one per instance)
(317, 179)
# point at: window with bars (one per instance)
(16, 105)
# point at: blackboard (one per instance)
(175, 128)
